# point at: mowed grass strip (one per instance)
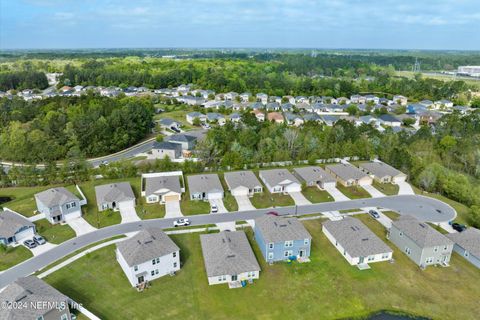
(315, 195)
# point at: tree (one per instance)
(196, 122)
(408, 122)
(159, 138)
(474, 217)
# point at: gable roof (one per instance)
(279, 229)
(276, 176)
(346, 171)
(204, 183)
(29, 290)
(469, 240)
(227, 253)
(56, 197)
(355, 237)
(380, 169)
(314, 174)
(241, 179)
(388, 118)
(11, 222)
(162, 184)
(114, 192)
(181, 138)
(420, 232)
(165, 145)
(148, 244)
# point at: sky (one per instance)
(376, 24)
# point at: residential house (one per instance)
(243, 183)
(290, 99)
(262, 97)
(32, 298)
(275, 117)
(162, 187)
(390, 120)
(357, 244)
(58, 205)
(187, 141)
(312, 117)
(231, 95)
(427, 103)
(255, 106)
(280, 180)
(429, 116)
(302, 99)
(191, 100)
(205, 187)
(228, 258)
(348, 175)
(280, 238)
(14, 228)
(245, 97)
(343, 100)
(421, 243)
(163, 149)
(357, 99)
(235, 117)
(329, 120)
(167, 123)
(259, 115)
(114, 196)
(216, 118)
(293, 119)
(315, 176)
(383, 172)
(467, 245)
(401, 100)
(272, 106)
(287, 107)
(372, 99)
(148, 255)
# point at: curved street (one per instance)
(424, 208)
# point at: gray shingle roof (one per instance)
(380, 169)
(314, 174)
(11, 222)
(280, 229)
(227, 253)
(114, 192)
(164, 145)
(29, 290)
(56, 197)
(242, 179)
(469, 240)
(182, 138)
(146, 245)
(161, 185)
(346, 171)
(420, 232)
(276, 176)
(355, 237)
(204, 183)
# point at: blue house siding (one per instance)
(469, 257)
(260, 242)
(279, 248)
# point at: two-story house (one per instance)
(59, 205)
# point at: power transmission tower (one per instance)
(416, 67)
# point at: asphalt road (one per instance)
(424, 208)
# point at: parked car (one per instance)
(39, 239)
(30, 244)
(205, 126)
(175, 129)
(214, 208)
(374, 214)
(459, 227)
(181, 222)
(105, 163)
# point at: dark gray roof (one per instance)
(181, 138)
(165, 145)
(355, 237)
(469, 240)
(204, 183)
(388, 118)
(168, 122)
(28, 291)
(227, 253)
(380, 169)
(11, 222)
(161, 185)
(275, 176)
(346, 171)
(241, 179)
(114, 192)
(279, 229)
(56, 197)
(420, 232)
(314, 174)
(146, 245)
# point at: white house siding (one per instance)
(164, 267)
(337, 245)
(240, 191)
(228, 278)
(467, 256)
(162, 153)
(327, 185)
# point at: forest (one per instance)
(53, 129)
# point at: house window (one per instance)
(74, 204)
(156, 271)
(40, 318)
(174, 254)
(174, 264)
(400, 234)
(408, 251)
(435, 249)
(270, 255)
(305, 242)
(68, 206)
(219, 278)
(385, 256)
(135, 268)
(153, 262)
(288, 244)
(287, 253)
(152, 199)
(371, 258)
(445, 248)
(158, 260)
(270, 245)
(429, 260)
(152, 273)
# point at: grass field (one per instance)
(23, 200)
(268, 200)
(11, 256)
(54, 233)
(316, 195)
(190, 207)
(410, 74)
(391, 214)
(230, 202)
(388, 189)
(179, 114)
(354, 192)
(326, 288)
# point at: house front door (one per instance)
(361, 259)
(141, 279)
(301, 253)
(234, 277)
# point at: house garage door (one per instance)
(294, 187)
(174, 197)
(126, 204)
(240, 191)
(24, 234)
(215, 195)
(72, 215)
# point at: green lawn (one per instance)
(388, 189)
(56, 233)
(23, 200)
(150, 211)
(230, 202)
(192, 207)
(316, 195)
(179, 114)
(391, 214)
(326, 288)
(12, 256)
(354, 192)
(268, 200)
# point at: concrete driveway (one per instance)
(128, 214)
(80, 226)
(42, 248)
(37, 217)
(336, 194)
(384, 220)
(374, 192)
(222, 210)
(299, 198)
(172, 209)
(333, 215)
(405, 188)
(244, 203)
